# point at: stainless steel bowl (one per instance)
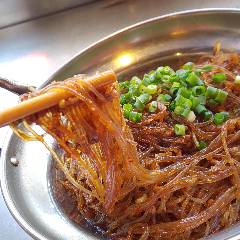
(168, 39)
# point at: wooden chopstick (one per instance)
(49, 99)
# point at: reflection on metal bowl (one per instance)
(165, 40)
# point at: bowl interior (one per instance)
(170, 40)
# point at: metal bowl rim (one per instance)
(3, 181)
(138, 24)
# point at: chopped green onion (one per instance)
(195, 101)
(211, 92)
(125, 98)
(164, 98)
(135, 116)
(178, 110)
(182, 74)
(198, 90)
(135, 80)
(207, 115)
(202, 99)
(198, 100)
(219, 77)
(176, 84)
(201, 145)
(188, 66)
(134, 89)
(207, 68)
(141, 88)
(139, 105)
(149, 79)
(145, 98)
(221, 96)
(174, 88)
(141, 101)
(153, 106)
(127, 108)
(182, 111)
(184, 92)
(172, 106)
(194, 80)
(167, 70)
(237, 80)
(151, 89)
(220, 118)
(173, 78)
(179, 129)
(165, 78)
(159, 72)
(182, 101)
(124, 85)
(200, 109)
(191, 116)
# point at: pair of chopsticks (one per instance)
(49, 99)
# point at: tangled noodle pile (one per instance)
(140, 180)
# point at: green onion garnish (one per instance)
(153, 106)
(134, 89)
(191, 116)
(219, 77)
(207, 115)
(221, 96)
(184, 92)
(139, 105)
(135, 80)
(127, 108)
(174, 88)
(167, 70)
(165, 98)
(182, 101)
(165, 78)
(198, 100)
(220, 118)
(182, 111)
(179, 129)
(151, 89)
(173, 78)
(141, 101)
(200, 109)
(145, 98)
(159, 73)
(125, 98)
(141, 88)
(149, 79)
(188, 66)
(194, 80)
(198, 90)
(124, 85)
(172, 106)
(135, 116)
(211, 92)
(182, 74)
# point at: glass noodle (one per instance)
(142, 179)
